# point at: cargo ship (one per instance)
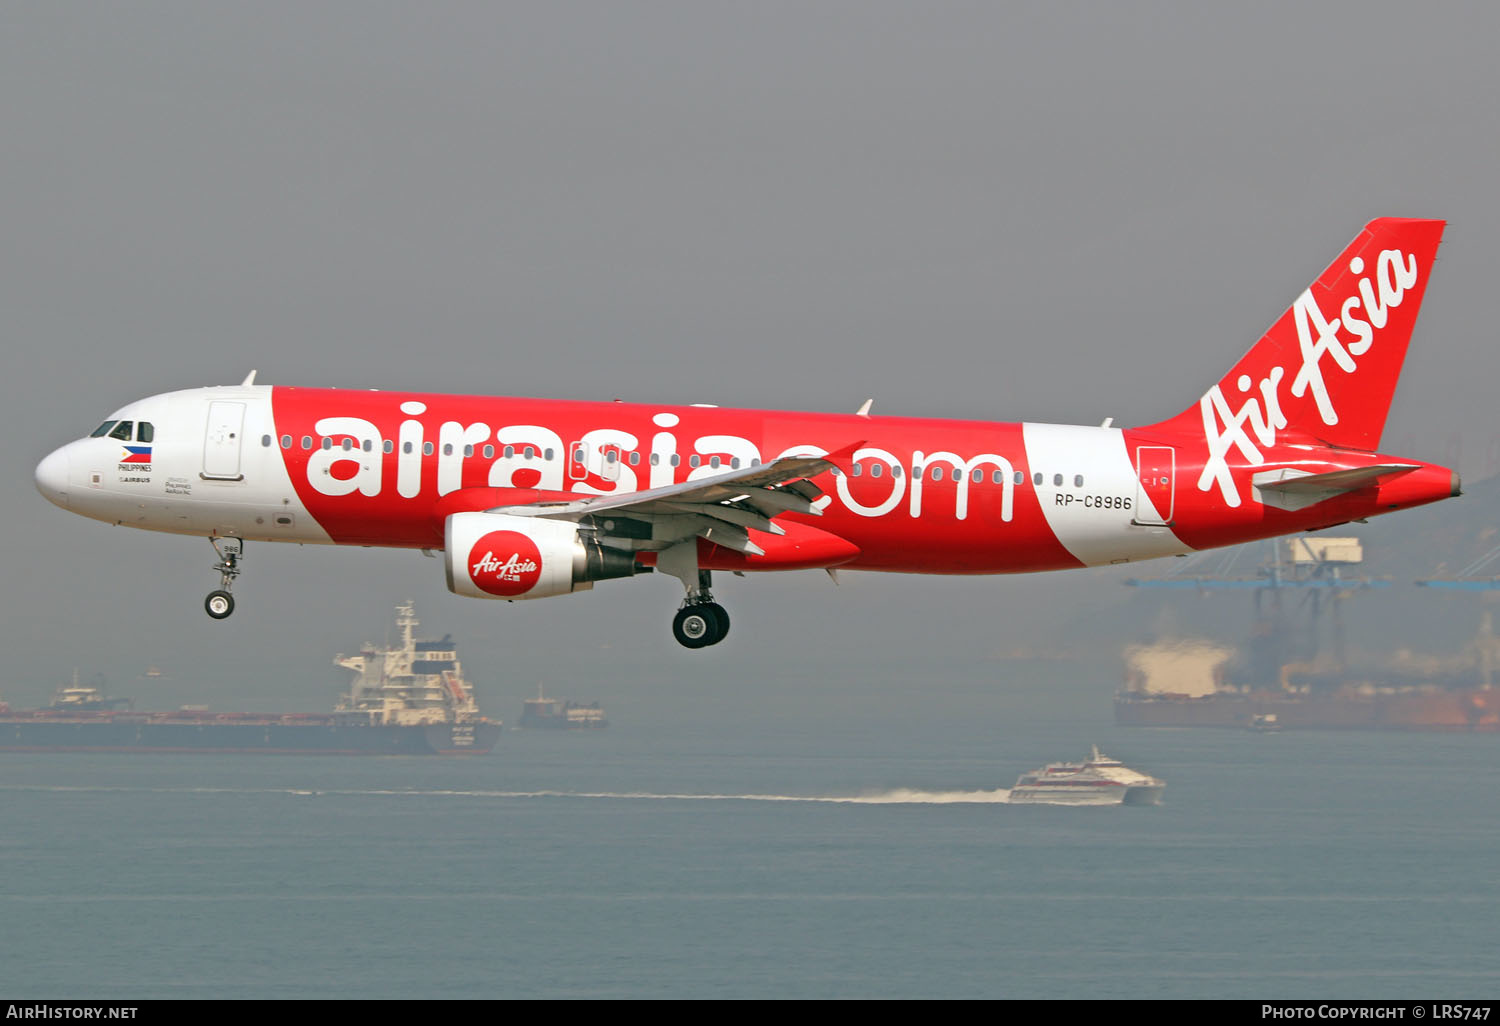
(560, 713)
(1294, 671)
(1182, 685)
(408, 699)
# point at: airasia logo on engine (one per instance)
(505, 563)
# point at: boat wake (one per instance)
(897, 796)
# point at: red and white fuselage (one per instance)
(1285, 442)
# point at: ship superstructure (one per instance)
(417, 681)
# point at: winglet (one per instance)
(864, 411)
(249, 380)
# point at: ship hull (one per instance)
(1136, 794)
(259, 738)
(1439, 710)
(560, 723)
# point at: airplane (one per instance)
(531, 498)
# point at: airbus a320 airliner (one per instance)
(532, 498)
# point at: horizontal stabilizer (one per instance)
(1291, 489)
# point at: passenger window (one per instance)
(469, 449)
(548, 455)
(958, 475)
(122, 430)
(307, 441)
(656, 459)
(979, 475)
(406, 448)
(693, 460)
(528, 452)
(1020, 476)
(1036, 478)
(265, 440)
(937, 473)
(286, 441)
(510, 450)
(387, 446)
(102, 429)
(676, 460)
(489, 451)
(368, 445)
(713, 461)
(347, 444)
(1057, 480)
(327, 444)
(426, 448)
(143, 431)
(635, 459)
(734, 463)
(447, 448)
(1077, 480)
(876, 468)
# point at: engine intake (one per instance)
(496, 555)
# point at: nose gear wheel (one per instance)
(220, 603)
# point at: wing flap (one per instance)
(721, 509)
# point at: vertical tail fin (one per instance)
(1328, 367)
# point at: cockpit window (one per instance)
(103, 429)
(143, 431)
(122, 430)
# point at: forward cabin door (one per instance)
(221, 441)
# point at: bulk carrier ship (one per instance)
(410, 699)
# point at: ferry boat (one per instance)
(1099, 780)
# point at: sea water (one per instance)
(782, 857)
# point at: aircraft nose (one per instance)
(52, 477)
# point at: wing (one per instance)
(722, 509)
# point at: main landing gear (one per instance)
(220, 603)
(701, 621)
(700, 625)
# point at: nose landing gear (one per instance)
(220, 603)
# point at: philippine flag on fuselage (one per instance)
(136, 454)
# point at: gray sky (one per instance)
(1051, 212)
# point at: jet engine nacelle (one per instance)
(498, 556)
